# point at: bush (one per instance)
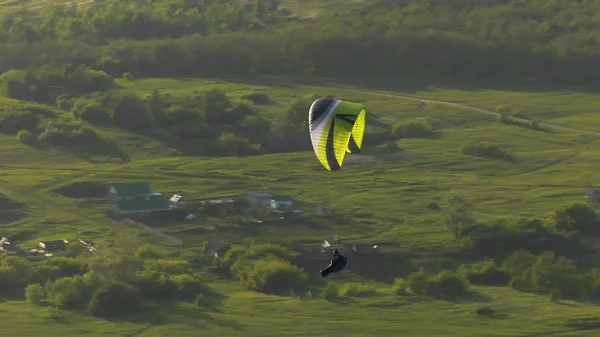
(34, 294)
(275, 276)
(412, 129)
(484, 149)
(506, 236)
(91, 112)
(67, 292)
(115, 298)
(486, 273)
(331, 291)
(547, 274)
(401, 286)
(59, 266)
(187, 286)
(16, 121)
(149, 252)
(357, 290)
(25, 137)
(155, 285)
(199, 301)
(257, 98)
(446, 283)
(577, 217)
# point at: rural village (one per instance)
(136, 204)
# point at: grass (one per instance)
(245, 313)
(388, 196)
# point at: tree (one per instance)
(577, 217)
(114, 298)
(34, 293)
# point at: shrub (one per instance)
(91, 112)
(257, 98)
(275, 276)
(155, 285)
(187, 286)
(484, 149)
(356, 290)
(16, 121)
(486, 273)
(114, 298)
(331, 291)
(149, 252)
(199, 301)
(34, 294)
(401, 286)
(577, 217)
(548, 273)
(446, 283)
(412, 129)
(67, 292)
(25, 137)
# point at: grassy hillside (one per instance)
(109, 93)
(383, 194)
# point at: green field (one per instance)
(551, 168)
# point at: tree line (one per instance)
(554, 41)
(68, 105)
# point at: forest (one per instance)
(552, 41)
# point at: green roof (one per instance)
(281, 198)
(131, 188)
(282, 207)
(144, 203)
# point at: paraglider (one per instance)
(336, 127)
(337, 264)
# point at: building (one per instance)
(145, 203)
(53, 245)
(6, 245)
(281, 203)
(226, 204)
(259, 198)
(323, 211)
(176, 200)
(132, 198)
(593, 194)
(127, 191)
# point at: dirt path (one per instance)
(456, 105)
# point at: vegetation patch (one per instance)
(85, 189)
(10, 210)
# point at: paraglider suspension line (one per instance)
(334, 233)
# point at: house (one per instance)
(219, 206)
(5, 245)
(593, 194)
(322, 211)
(259, 198)
(53, 245)
(216, 248)
(176, 199)
(145, 203)
(281, 204)
(88, 245)
(127, 191)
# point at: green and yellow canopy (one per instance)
(336, 127)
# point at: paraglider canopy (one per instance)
(336, 127)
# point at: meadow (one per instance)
(385, 197)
